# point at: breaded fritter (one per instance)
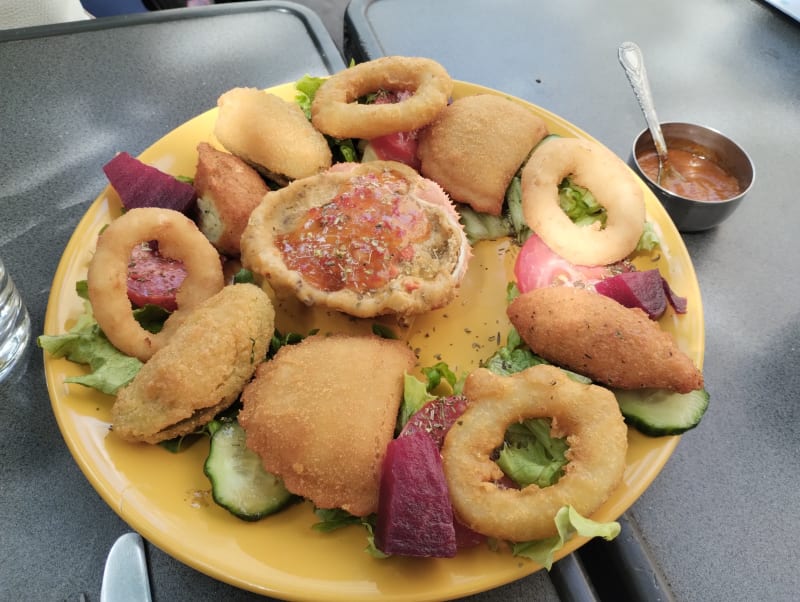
(598, 337)
(271, 134)
(475, 147)
(228, 190)
(201, 370)
(321, 413)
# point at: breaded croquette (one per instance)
(201, 370)
(595, 336)
(271, 134)
(228, 190)
(476, 145)
(321, 413)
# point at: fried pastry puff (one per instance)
(475, 147)
(321, 413)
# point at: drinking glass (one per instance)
(15, 324)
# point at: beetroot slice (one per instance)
(466, 537)
(436, 417)
(678, 303)
(415, 517)
(647, 290)
(141, 185)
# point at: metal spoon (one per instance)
(631, 59)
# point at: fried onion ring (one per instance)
(335, 112)
(588, 415)
(592, 166)
(178, 238)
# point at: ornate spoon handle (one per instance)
(630, 57)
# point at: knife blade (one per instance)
(125, 574)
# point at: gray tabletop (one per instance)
(721, 521)
(70, 97)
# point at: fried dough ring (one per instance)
(335, 112)
(611, 182)
(178, 238)
(589, 416)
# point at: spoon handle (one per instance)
(630, 57)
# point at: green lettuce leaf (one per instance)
(279, 340)
(513, 209)
(244, 276)
(579, 204)
(332, 519)
(568, 522)
(151, 317)
(648, 240)
(86, 344)
(516, 356)
(482, 226)
(415, 395)
(307, 87)
(511, 222)
(436, 373)
(513, 357)
(384, 331)
(530, 456)
(343, 149)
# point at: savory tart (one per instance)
(365, 239)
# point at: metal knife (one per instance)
(125, 575)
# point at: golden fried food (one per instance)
(336, 112)
(606, 176)
(587, 415)
(475, 147)
(600, 338)
(228, 190)
(201, 371)
(365, 239)
(271, 134)
(321, 413)
(178, 238)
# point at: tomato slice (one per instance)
(537, 266)
(154, 279)
(400, 146)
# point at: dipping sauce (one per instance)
(703, 179)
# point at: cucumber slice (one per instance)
(658, 412)
(239, 482)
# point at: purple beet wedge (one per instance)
(647, 290)
(415, 517)
(436, 417)
(142, 185)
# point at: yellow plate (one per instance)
(166, 497)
